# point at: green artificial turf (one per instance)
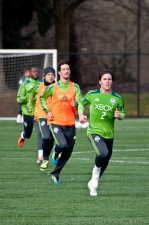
(28, 196)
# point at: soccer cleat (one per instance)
(55, 157)
(44, 165)
(39, 160)
(93, 190)
(56, 180)
(21, 142)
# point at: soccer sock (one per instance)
(46, 146)
(40, 153)
(22, 119)
(22, 135)
(96, 171)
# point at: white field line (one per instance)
(129, 162)
(85, 159)
(8, 118)
(117, 150)
(117, 161)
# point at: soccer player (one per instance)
(64, 95)
(40, 116)
(24, 97)
(26, 75)
(105, 106)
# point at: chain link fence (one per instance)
(132, 84)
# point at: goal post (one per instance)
(12, 63)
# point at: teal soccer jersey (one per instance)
(102, 110)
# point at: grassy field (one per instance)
(131, 106)
(28, 196)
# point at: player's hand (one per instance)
(117, 114)
(82, 118)
(50, 116)
(73, 103)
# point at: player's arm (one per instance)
(120, 111)
(78, 96)
(33, 93)
(21, 95)
(48, 92)
(20, 82)
(32, 96)
(81, 108)
(83, 102)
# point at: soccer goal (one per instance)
(12, 63)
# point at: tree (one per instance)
(62, 16)
(15, 15)
(57, 12)
(96, 30)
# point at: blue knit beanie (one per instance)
(48, 70)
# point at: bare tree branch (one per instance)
(72, 5)
(131, 6)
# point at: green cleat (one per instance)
(44, 165)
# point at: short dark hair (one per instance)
(62, 62)
(104, 72)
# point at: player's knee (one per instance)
(47, 137)
(45, 140)
(104, 155)
(62, 146)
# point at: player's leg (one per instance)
(61, 163)
(47, 142)
(19, 116)
(47, 138)
(28, 128)
(109, 144)
(68, 134)
(60, 140)
(39, 137)
(99, 145)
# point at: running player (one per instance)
(26, 75)
(24, 97)
(105, 107)
(64, 94)
(40, 116)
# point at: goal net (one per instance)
(12, 63)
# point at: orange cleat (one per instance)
(21, 142)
